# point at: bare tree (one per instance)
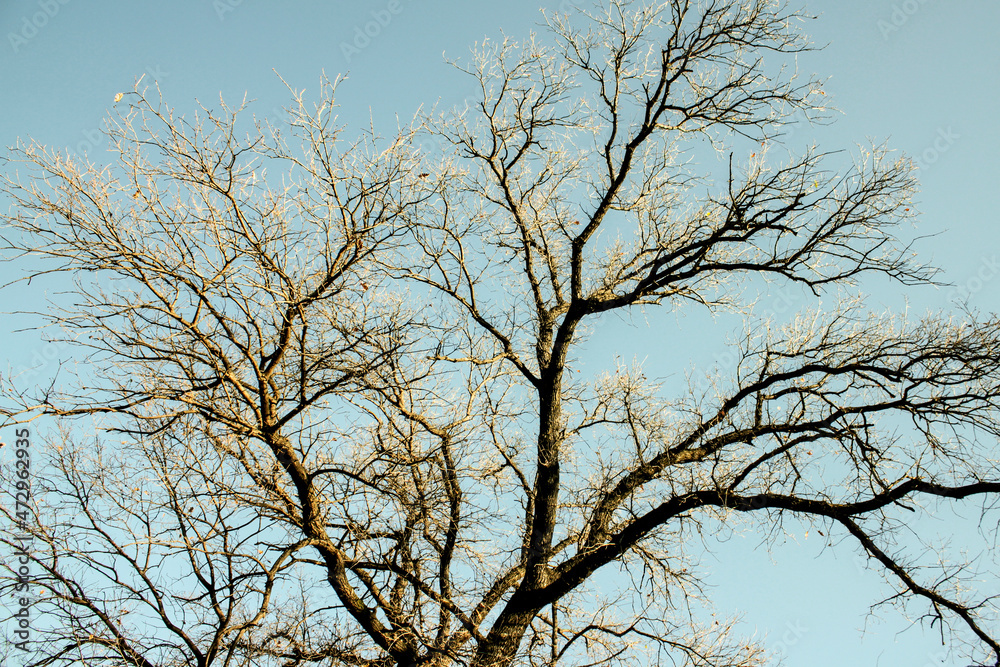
(339, 422)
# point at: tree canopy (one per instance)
(333, 377)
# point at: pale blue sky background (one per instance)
(922, 74)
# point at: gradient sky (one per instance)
(920, 74)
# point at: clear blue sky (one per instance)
(922, 74)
